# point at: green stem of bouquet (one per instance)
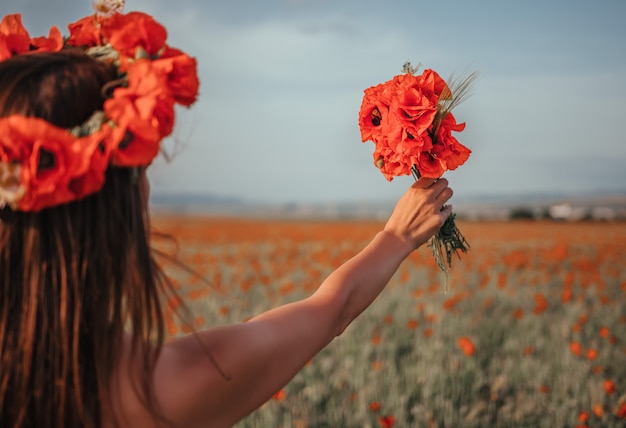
(447, 242)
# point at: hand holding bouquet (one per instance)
(409, 119)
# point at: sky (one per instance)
(282, 83)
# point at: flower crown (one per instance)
(42, 165)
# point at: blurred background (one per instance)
(282, 83)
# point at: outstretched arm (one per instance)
(260, 356)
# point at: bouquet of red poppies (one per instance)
(409, 119)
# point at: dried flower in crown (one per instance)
(42, 165)
(105, 7)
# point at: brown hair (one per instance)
(75, 276)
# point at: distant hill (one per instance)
(474, 207)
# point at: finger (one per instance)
(439, 191)
(445, 212)
(439, 186)
(424, 182)
(444, 196)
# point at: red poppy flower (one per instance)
(399, 117)
(49, 159)
(127, 32)
(280, 395)
(143, 113)
(448, 148)
(433, 86)
(42, 165)
(541, 304)
(182, 76)
(466, 345)
(576, 348)
(544, 389)
(592, 354)
(52, 43)
(386, 421)
(14, 38)
(412, 324)
(430, 165)
(598, 410)
(374, 117)
(414, 111)
(85, 32)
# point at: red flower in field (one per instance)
(286, 289)
(609, 386)
(621, 412)
(576, 348)
(567, 295)
(592, 354)
(466, 345)
(374, 406)
(451, 302)
(173, 303)
(502, 280)
(529, 350)
(518, 313)
(488, 302)
(388, 319)
(386, 421)
(598, 410)
(544, 389)
(279, 395)
(428, 332)
(559, 252)
(583, 417)
(541, 304)
(412, 324)
(376, 339)
(430, 318)
(604, 332)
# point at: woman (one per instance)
(81, 326)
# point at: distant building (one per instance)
(560, 211)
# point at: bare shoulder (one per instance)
(217, 376)
(186, 380)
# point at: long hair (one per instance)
(73, 278)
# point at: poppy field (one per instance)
(531, 332)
